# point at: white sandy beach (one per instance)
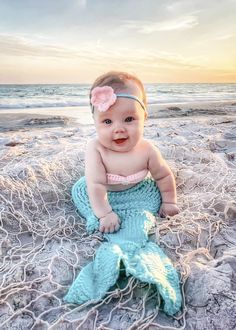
(44, 244)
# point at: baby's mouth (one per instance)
(120, 141)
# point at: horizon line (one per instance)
(145, 83)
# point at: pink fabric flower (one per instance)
(103, 97)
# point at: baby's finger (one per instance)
(107, 230)
(101, 229)
(117, 227)
(162, 214)
(112, 229)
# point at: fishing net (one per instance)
(44, 243)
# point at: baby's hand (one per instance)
(109, 223)
(168, 209)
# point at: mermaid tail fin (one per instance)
(150, 264)
(97, 277)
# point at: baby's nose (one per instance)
(119, 128)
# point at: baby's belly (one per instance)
(119, 187)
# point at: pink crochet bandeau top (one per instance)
(125, 180)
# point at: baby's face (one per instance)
(121, 127)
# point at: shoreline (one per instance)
(15, 119)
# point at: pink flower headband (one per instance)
(104, 97)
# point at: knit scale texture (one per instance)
(143, 259)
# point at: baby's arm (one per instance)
(165, 181)
(95, 175)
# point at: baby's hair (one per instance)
(117, 80)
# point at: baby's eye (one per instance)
(107, 121)
(129, 119)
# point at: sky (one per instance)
(74, 41)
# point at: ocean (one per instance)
(74, 95)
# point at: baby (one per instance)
(119, 157)
(119, 197)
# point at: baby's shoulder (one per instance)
(94, 147)
(149, 145)
(92, 144)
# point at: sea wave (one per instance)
(52, 104)
(77, 95)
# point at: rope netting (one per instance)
(44, 243)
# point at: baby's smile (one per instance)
(120, 141)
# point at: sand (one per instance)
(43, 242)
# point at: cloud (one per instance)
(181, 23)
(223, 37)
(21, 46)
(154, 59)
(92, 54)
(81, 3)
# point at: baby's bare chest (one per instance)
(125, 163)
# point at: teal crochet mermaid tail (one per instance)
(144, 260)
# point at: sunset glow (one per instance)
(75, 41)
